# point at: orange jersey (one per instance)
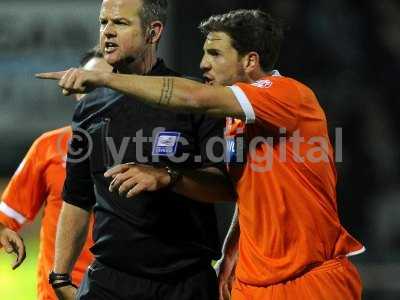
(287, 192)
(39, 182)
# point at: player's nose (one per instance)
(205, 64)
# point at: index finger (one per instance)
(51, 75)
(19, 249)
(7, 245)
(118, 169)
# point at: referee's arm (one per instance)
(205, 185)
(74, 219)
(209, 184)
(72, 232)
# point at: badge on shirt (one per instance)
(230, 149)
(264, 83)
(166, 143)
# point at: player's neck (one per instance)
(257, 75)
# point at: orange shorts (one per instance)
(336, 279)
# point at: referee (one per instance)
(158, 245)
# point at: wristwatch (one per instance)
(59, 280)
(174, 175)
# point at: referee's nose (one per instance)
(109, 31)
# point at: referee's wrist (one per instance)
(174, 177)
(59, 280)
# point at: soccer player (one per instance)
(291, 244)
(38, 183)
(161, 245)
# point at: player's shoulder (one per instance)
(293, 83)
(287, 85)
(55, 133)
(306, 96)
(275, 85)
(50, 136)
(279, 80)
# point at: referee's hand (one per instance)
(132, 179)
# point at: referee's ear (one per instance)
(154, 32)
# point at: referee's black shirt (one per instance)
(159, 235)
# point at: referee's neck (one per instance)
(140, 65)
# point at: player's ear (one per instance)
(251, 62)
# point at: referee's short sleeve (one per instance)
(211, 141)
(78, 186)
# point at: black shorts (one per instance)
(104, 283)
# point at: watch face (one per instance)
(175, 176)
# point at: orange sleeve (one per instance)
(275, 101)
(25, 193)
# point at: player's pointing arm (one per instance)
(75, 81)
(178, 93)
(51, 75)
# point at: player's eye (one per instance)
(213, 52)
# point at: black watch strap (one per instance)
(59, 280)
(174, 175)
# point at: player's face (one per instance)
(95, 64)
(121, 34)
(221, 63)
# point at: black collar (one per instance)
(158, 69)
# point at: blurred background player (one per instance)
(38, 183)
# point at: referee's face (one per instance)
(121, 34)
(221, 64)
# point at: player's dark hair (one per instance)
(154, 10)
(249, 30)
(88, 55)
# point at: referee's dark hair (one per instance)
(249, 30)
(154, 10)
(88, 55)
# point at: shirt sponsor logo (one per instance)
(265, 83)
(166, 143)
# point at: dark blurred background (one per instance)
(348, 52)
